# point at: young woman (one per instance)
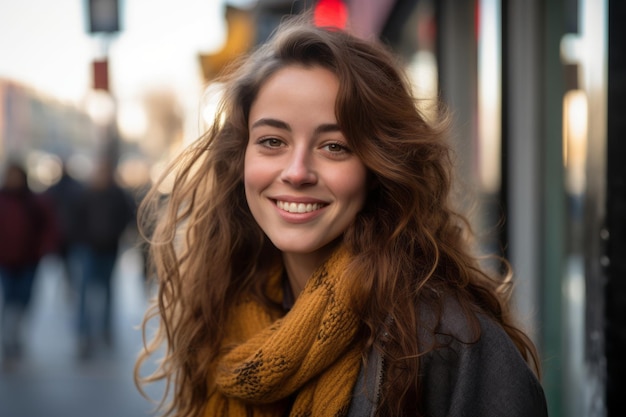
(309, 259)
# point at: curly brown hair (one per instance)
(411, 247)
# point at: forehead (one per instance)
(297, 87)
(297, 70)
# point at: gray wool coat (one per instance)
(466, 378)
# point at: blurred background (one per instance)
(535, 88)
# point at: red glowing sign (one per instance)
(331, 13)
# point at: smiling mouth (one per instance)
(298, 207)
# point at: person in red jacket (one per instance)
(27, 232)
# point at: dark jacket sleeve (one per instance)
(483, 377)
(49, 230)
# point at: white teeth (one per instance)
(297, 207)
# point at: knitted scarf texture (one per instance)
(308, 359)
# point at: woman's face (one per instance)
(303, 184)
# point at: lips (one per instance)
(292, 207)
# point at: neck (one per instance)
(300, 267)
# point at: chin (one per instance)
(300, 247)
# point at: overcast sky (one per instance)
(44, 44)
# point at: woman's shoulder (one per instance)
(473, 367)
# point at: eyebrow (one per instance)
(279, 124)
(272, 123)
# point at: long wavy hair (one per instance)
(411, 248)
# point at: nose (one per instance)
(298, 170)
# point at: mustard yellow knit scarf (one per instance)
(308, 358)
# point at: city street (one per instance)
(51, 380)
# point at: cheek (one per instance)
(256, 175)
(352, 185)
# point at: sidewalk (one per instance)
(51, 381)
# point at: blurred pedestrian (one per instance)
(64, 196)
(104, 211)
(143, 244)
(27, 233)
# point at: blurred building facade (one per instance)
(42, 132)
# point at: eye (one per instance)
(270, 142)
(335, 147)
